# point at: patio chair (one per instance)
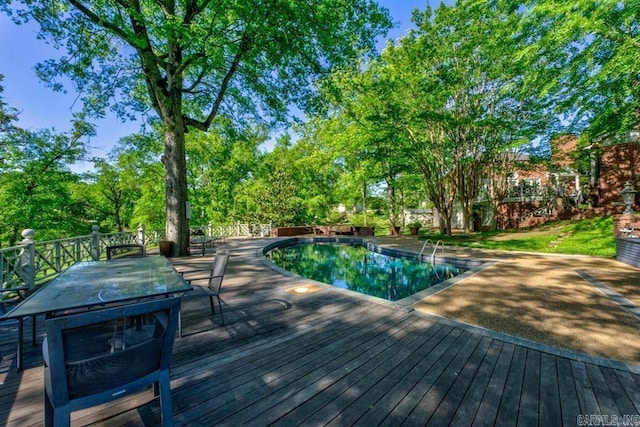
(213, 277)
(16, 295)
(84, 368)
(126, 251)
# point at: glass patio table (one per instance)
(96, 284)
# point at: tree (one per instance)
(218, 163)
(361, 100)
(111, 196)
(392, 100)
(136, 157)
(271, 196)
(35, 181)
(35, 184)
(587, 56)
(8, 115)
(336, 172)
(190, 61)
(315, 171)
(473, 89)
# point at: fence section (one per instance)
(33, 263)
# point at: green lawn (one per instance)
(584, 237)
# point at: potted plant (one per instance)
(414, 227)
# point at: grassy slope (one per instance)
(585, 237)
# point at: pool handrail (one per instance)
(426, 242)
(439, 243)
(435, 249)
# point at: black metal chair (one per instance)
(212, 277)
(88, 362)
(15, 296)
(125, 251)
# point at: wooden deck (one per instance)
(328, 358)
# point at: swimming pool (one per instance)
(350, 265)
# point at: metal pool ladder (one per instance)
(438, 244)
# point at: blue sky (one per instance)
(40, 107)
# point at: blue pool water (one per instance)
(356, 268)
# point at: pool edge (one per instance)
(474, 266)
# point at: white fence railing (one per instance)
(33, 263)
(235, 230)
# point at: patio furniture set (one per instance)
(110, 327)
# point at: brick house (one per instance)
(540, 193)
(537, 192)
(618, 163)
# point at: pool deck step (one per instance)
(327, 358)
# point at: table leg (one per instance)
(19, 350)
(33, 330)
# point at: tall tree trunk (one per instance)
(391, 195)
(364, 201)
(177, 224)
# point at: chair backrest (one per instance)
(218, 269)
(125, 251)
(82, 367)
(9, 297)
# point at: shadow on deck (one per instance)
(326, 357)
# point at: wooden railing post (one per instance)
(28, 258)
(95, 242)
(141, 234)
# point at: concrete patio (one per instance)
(332, 357)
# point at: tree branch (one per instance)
(196, 82)
(102, 22)
(204, 125)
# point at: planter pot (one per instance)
(394, 231)
(166, 246)
(364, 231)
(414, 230)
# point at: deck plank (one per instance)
(321, 384)
(622, 401)
(250, 363)
(603, 394)
(428, 392)
(445, 411)
(509, 405)
(567, 392)
(327, 370)
(550, 413)
(374, 395)
(488, 410)
(529, 400)
(281, 383)
(275, 376)
(631, 385)
(433, 378)
(366, 394)
(387, 395)
(317, 404)
(586, 394)
(469, 405)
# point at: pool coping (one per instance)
(474, 266)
